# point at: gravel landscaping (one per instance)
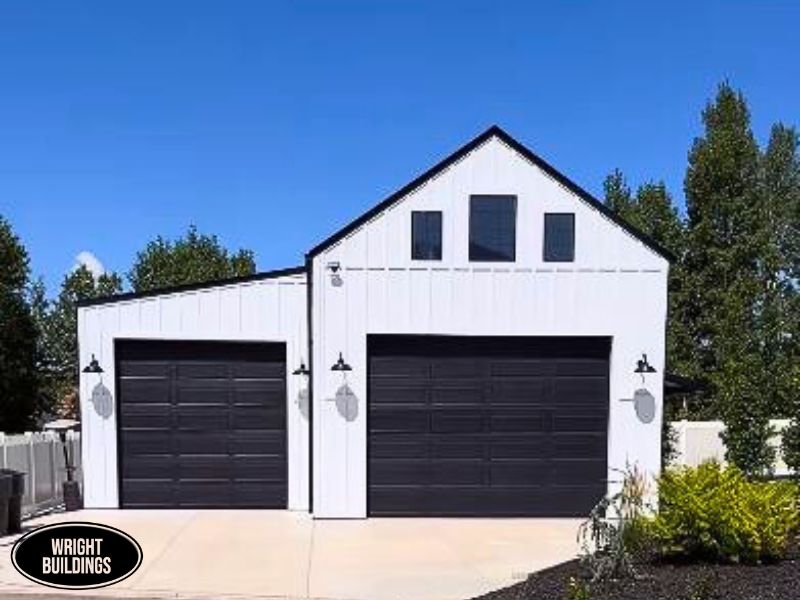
(778, 581)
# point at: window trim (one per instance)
(513, 258)
(544, 236)
(441, 233)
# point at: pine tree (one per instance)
(723, 264)
(21, 400)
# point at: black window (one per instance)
(426, 235)
(492, 228)
(559, 237)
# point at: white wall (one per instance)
(615, 287)
(700, 441)
(269, 310)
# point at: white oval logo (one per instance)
(76, 556)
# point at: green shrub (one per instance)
(715, 513)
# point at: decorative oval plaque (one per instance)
(76, 556)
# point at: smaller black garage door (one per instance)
(487, 426)
(202, 424)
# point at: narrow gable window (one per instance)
(492, 228)
(559, 237)
(426, 235)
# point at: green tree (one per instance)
(59, 325)
(617, 194)
(21, 399)
(194, 258)
(723, 264)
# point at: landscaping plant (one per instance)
(717, 514)
(617, 531)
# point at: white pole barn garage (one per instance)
(473, 345)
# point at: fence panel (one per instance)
(40, 456)
(699, 441)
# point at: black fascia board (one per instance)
(493, 131)
(190, 287)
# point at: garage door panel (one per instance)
(257, 442)
(493, 427)
(152, 493)
(452, 421)
(534, 421)
(145, 391)
(577, 472)
(411, 420)
(521, 446)
(198, 371)
(264, 468)
(150, 465)
(398, 446)
(257, 417)
(146, 442)
(456, 393)
(204, 466)
(144, 368)
(455, 446)
(259, 370)
(520, 472)
(218, 437)
(212, 417)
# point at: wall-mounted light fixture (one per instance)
(334, 267)
(340, 365)
(93, 366)
(643, 366)
(301, 370)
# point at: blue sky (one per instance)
(273, 124)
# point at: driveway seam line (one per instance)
(167, 546)
(310, 558)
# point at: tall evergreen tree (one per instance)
(723, 262)
(617, 194)
(21, 400)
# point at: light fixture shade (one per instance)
(301, 370)
(643, 366)
(340, 365)
(93, 366)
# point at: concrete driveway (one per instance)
(280, 554)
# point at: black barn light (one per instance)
(643, 366)
(340, 365)
(93, 366)
(301, 370)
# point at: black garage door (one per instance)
(202, 424)
(486, 425)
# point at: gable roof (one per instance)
(493, 131)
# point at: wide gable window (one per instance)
(559, 237)
(492, 228)
(426, 235)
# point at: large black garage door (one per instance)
(202, 424)
(487, 425)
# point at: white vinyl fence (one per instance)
(699, 441)
(41, 456)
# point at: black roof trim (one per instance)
(493, 131)
(189, 287)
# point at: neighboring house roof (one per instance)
(193, 286)
(493, 131)
(675, 385)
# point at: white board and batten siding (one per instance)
(616, 287)
(263, 310)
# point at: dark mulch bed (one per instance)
(778, 581)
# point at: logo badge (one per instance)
(76, 556)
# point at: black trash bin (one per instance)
(6, 485)
(15, 501)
